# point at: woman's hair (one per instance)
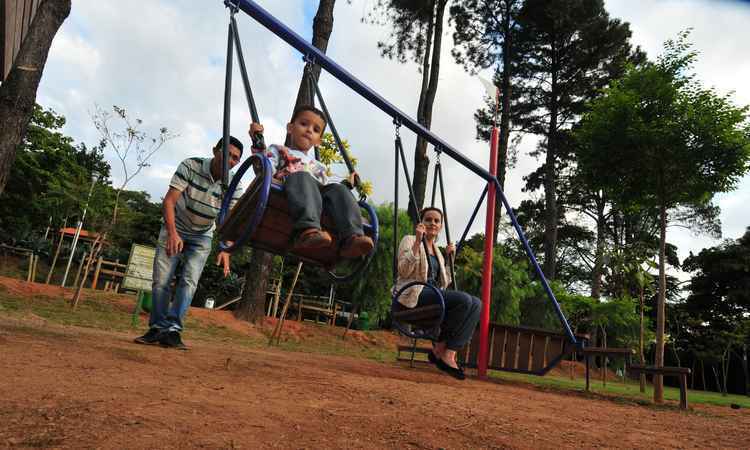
(302, 108)
(430, 208)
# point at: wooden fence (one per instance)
(15, 18)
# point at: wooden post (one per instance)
(280, 323)
(588, 367)
(54, 259)
(31, 267)
(98, 241)
(95, 281)
(80, 266)
(351, 319)
(683, 391)
(299, 309)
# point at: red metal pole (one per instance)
(489, 239)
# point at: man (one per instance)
(190, 209)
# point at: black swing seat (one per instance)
(419, 317)
(274, 232)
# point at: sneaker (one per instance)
(172, 339)
(150, 338)
(312, 239)
(356, 246)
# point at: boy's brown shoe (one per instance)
(357, 246)
(312, 239)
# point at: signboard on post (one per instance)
(140, 268)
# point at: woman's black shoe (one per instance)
(457, 373)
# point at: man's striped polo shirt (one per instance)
(200, 202)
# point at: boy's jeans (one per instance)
(195, 250)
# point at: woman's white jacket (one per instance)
(413, 267)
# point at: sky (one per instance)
(164, 62)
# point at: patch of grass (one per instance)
(622, 391)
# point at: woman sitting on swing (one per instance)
(461, 309)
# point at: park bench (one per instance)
(679, 372)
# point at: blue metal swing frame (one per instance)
(314, 55)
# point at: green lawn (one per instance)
(628, 390)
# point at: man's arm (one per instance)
(174, 241)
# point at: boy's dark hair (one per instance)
(232, 141)
(428, 209)
(302, 108)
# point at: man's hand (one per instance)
(222, 259)
(174, 244)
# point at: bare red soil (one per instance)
(70, 387)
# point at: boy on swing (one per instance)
(310, 192)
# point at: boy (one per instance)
(309, 191)
(190, 209)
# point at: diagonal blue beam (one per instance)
(317, 57)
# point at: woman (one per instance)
(461, 309)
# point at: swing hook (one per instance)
(397, 124)
(234, 6)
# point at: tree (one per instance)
(417, 35)
(486, 37)
(573, 50)
(132, 146)
(18, 91)
(670, 143)
(50, 178)
(719, 300)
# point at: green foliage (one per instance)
(373, 289)
(50, 178)
(329, 154)
(669, 141)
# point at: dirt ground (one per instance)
(71, 387)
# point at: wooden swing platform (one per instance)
(520, 349)
(274, 232)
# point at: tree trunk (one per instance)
(18, 91)
(505, 87)
(745, 369)
(725, 359)
(596, 280)
(660, 305)
(641, 356)
(550, 177)
(322, 28)
(719, 387)
(430, 77)
(252, 305)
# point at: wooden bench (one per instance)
(680, 372)
(605, 352)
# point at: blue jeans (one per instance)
(195, 250)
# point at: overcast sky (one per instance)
(164, 62)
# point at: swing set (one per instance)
(261, 218)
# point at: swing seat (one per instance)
(261, 219)
(421, 322)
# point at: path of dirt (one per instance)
(67, 387)
(70, 387)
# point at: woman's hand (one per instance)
(450, 249)
(419, 231)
